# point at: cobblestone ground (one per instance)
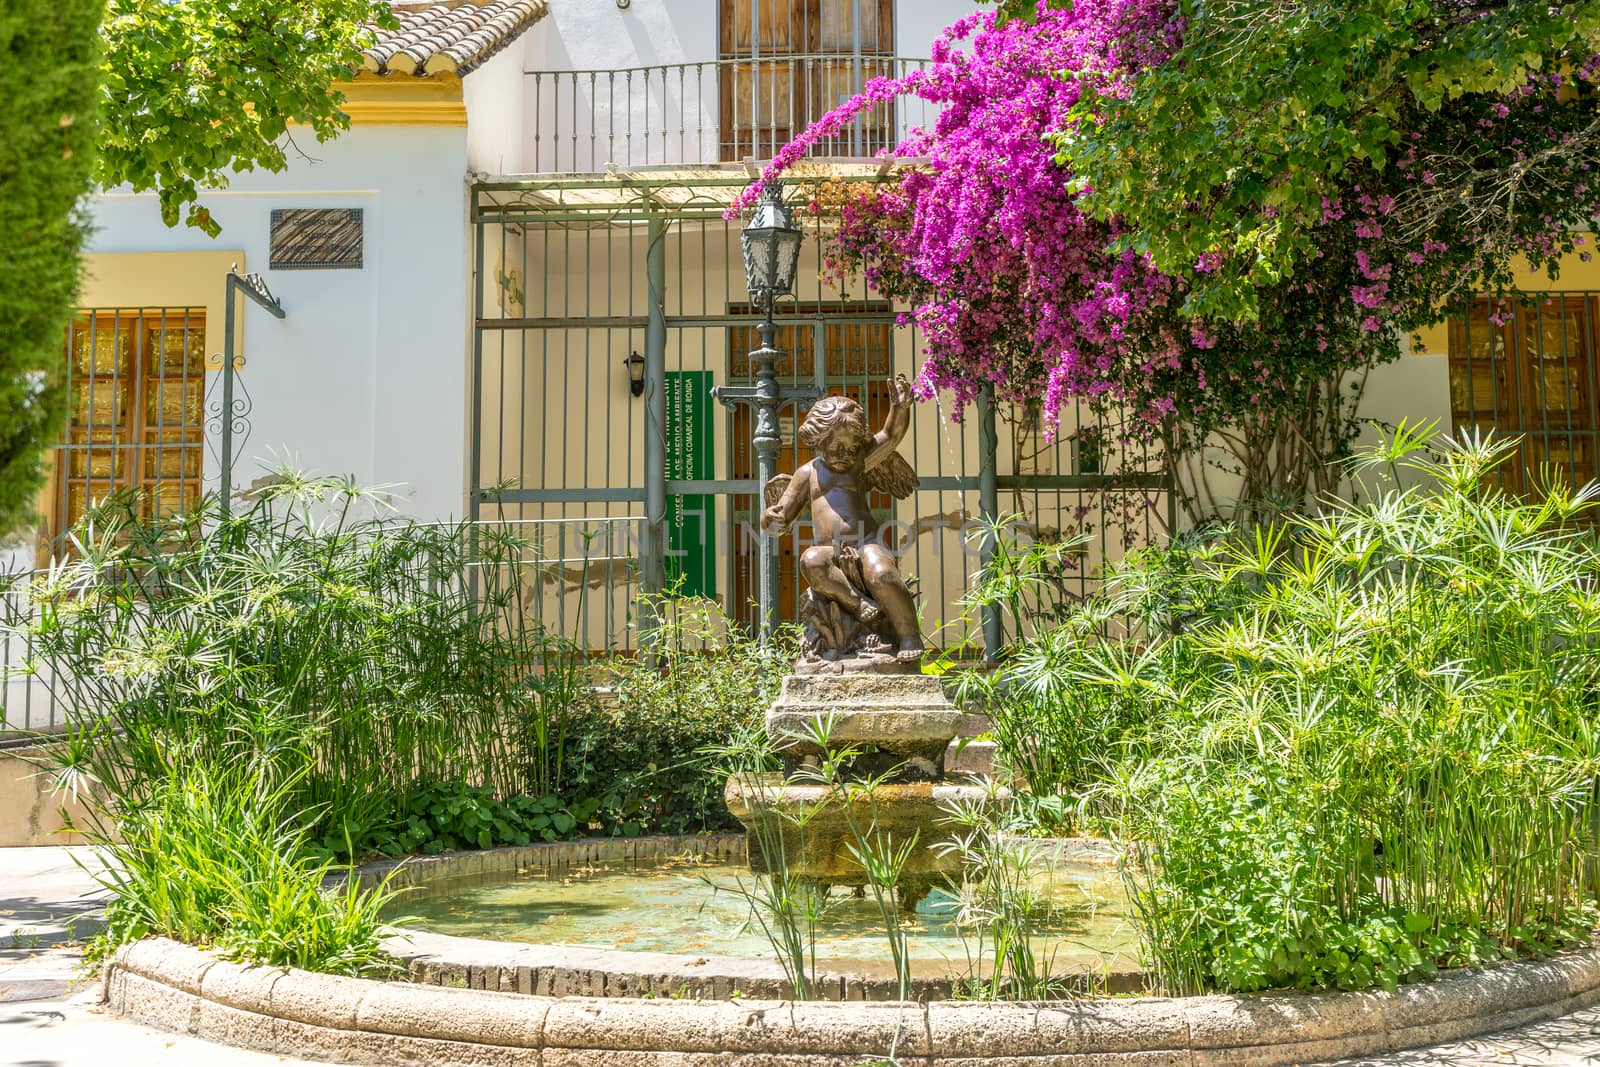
(48, 1018)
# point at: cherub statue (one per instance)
(858, 607)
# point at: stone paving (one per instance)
(51, 1018)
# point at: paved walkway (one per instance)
(49, 1017)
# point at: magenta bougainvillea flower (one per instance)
(1014, 288)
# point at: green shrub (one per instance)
(249, 694)
(209, 857)
(1347, 749)
(643, 755)
(303, 640)
(49, 104)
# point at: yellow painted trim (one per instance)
(1432, 341)
(164, 279)
(403, 100)
(1576, 274)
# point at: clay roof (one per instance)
(449, 37)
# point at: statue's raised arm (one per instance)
(886, 440)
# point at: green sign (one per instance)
(691, 518)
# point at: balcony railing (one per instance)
(715, 111)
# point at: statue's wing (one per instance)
(894, 476)
(773, 491)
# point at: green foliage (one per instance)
(196, 90)
(452, 816)
(1241, 903)
(789, 906)
(208, 856)
(1344, 750)
(1267, 110)
(1049, 735)
(304, 639)
(48, 100)
(999, 904)
(642, 756)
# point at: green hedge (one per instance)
(49, 86)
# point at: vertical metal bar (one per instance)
(665, 120)
(1586, 352)
(157, 449)
(989, 510)
(1568, 393)
(475, 476)
(755, 78)
(225, 473)
(855, 74)
(538, 125)
(652, 555)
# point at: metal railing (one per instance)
(28, 701)
(724, 110)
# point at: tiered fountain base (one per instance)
(898, 727)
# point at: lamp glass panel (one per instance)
(787, 250)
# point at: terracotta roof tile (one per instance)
(449, 37)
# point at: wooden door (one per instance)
(786, 63)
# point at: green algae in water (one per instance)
(682, 906)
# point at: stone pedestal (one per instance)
(900, 723)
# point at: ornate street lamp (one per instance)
(771, 249)
(771, 243)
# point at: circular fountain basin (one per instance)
(670, 903)
(469, 1002)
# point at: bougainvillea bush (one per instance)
(1017, 288)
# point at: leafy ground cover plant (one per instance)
(1347, 750)
(207, 857)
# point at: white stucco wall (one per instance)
(494, 100)
(367, 374)
(918, 22)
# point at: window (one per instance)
(137, 420)
(787, 62)
(1527, 367)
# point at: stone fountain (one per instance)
(859, 680)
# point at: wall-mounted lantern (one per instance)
(635, 365)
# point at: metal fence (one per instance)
(587, 285)
(28, 699)
(725, 110)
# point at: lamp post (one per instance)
(771, 243)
